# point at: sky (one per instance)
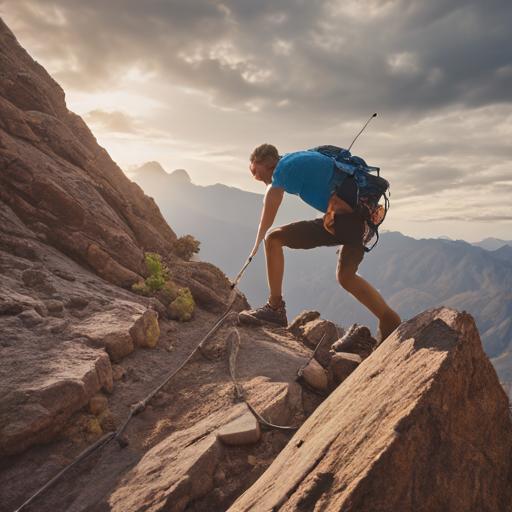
(198, 84)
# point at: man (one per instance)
(312, 176)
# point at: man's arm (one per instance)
(271, 203)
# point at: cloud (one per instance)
(226, 75)
(114, 121)
(405, 56)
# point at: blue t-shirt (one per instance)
(309, 175)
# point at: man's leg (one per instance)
(275, 266)
(364, 292)
(299, 235)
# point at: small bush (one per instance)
(141, 288)
(157, 279)
(154, 264)
(183, 306)
(168, 293)
(185, 247)
(158, 284)
(155, 283)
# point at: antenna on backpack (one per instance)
(374, 115)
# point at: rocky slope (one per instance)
(62, 186)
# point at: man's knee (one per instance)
(345, 277)
(274, 239)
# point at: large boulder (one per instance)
(52, 381)
(421, 425)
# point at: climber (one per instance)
(312, 176)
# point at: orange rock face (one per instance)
(61, 184)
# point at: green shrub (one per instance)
(168, 293)
(185, 247)
(158, 284)
(155, 283)
(157, 278)
(154, 264)
(141, 288)
(183, 306)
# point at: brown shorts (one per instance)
(308, 234)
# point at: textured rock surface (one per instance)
(181, 468)
(50, 384)
(430, 430)
(65, 210)
(301, 320)
(319, 329)
(315, 375)
(243, 430)
(61, 184)
(357, 340)
(340, 367)
(117, 330)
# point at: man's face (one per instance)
(259, 171)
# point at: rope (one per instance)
(135, 409)
(233, 346)
(88, 451)
(233, 341)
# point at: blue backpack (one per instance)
(372, 190)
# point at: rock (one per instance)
(341, 366)
(301, 320)
(243, 430)
(31, 318)
(323, 352)
(117, 330)
(315, 375)
(54, 306)
(118, 372)
(108, 268)
(357, 340)
(109, 421)
(109, 331)
(182, 468)
(62, 185)
(410, 430)
(145, 332)
(98, 404)
(33, 412)
(320, 330)
(38, 281)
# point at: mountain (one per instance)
(503, 253)
(491, 244)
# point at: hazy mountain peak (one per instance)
(153, 168)
(491, 243)
(180, 175)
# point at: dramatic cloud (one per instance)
(200, 83)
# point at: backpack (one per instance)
(372, 190)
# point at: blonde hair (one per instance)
(265, 154)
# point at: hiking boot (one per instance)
(269, 314)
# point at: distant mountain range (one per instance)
(491, 244)
(412, 275)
